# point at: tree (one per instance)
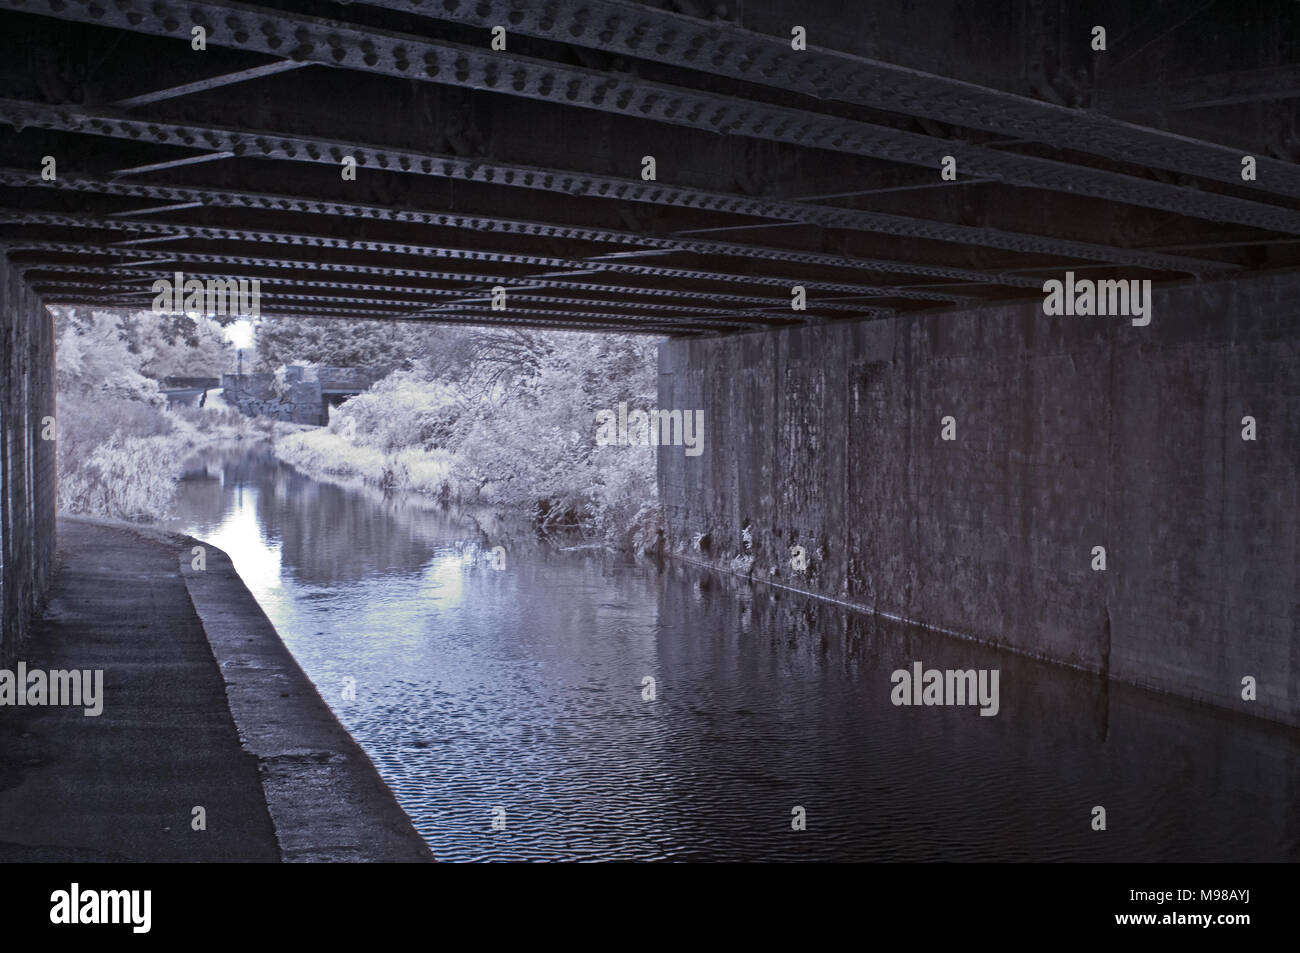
(204, 351)
(334, 342)
(153, 345)
(93, 356)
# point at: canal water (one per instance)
(508, 688)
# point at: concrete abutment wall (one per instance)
(1070, 433)
(27, 462)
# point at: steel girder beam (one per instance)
(936, 293)
(39, 274)
(473, 319)
(330, 43)
(204, 85)
(202, 264)
(52, 277)
(412, 308)
(190, 196)
(662, 36)
(29, 247)
(264, 237)
(144, 295)
(271, 145)
(479, 316)
(713, 316)
(174, 163)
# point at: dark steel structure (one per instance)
(211, 137)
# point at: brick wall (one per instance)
(27, 463)
(1070, 433)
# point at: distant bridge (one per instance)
(305, 396)
(187, 390)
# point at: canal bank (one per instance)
(212, 745)
(505, 703)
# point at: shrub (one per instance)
(518, 429)
(85, 423)
(400, 412)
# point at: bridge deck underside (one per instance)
(524, 168)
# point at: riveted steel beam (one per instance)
(272, 296)
(45, 272)
(470, 318)
(53, 278)
(66, 220)
(309, 309)
(308, 39)
(205, 85)
(55, 272)
(189, 196)
(28, 256)
(175, 163)
(662, 36)
(270, 145)
(269, 305)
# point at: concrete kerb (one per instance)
(324, 795)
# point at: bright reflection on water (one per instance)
(521, 689)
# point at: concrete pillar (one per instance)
(28, 497)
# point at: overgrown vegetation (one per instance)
(504, 418)
(119, 447)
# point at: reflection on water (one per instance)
(521, 689)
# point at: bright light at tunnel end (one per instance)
(241, 334)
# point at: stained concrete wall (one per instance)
(259, 395)
(27, 462)
(1070, 433)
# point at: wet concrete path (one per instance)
(279, 779)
